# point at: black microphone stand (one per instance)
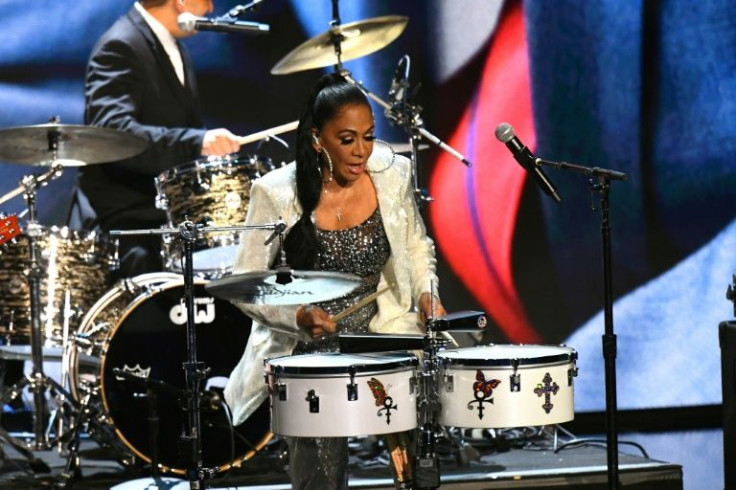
(600, 181)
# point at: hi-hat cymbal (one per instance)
(261, 287)
(357, 39)
(75, 145)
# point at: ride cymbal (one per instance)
(356, 39)
(68, 145)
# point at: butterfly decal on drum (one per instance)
(482, 391)
(380, 394)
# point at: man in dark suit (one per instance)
(140, 80)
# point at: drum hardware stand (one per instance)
(153, 386)
(600, 182)
(408, 116)
(72, 468)
(194, 371)
(37, 381)
(400, 112)
(427, 465)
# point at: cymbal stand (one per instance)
(336, 38)
(37, 381)
(600, 182)
(195, 372)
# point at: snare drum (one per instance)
(215, 192)
(342, 395)
(75, 266)
(140, 327)
(501, 386)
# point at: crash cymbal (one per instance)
(261, 287)
(357, 39)
(75, 145)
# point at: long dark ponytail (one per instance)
(327, 96)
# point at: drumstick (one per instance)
(243, 140)
(359, 304)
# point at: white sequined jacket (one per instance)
(410, 268)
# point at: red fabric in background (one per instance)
(474, 215)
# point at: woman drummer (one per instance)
(349, 205)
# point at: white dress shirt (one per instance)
(167, 40)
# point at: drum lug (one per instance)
(352, 387)
(162, 203)
(279, 387)
(573, 371)
(515, 378)
(281, 391)
(313, 400)
(449, 382)
(413, 381)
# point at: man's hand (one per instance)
(219, 142)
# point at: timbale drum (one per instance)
(504, 386)
(342, 395)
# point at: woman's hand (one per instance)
(425, 307)
(315, 321)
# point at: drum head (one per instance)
(150, 341)
(335, 363)
(503, 355)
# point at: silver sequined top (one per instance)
(362, 250)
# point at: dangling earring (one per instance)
(329, 165)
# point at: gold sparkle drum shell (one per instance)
(213, 191)
(76, 269)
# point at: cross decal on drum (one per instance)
(547, 388)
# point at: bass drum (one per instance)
(140, 327)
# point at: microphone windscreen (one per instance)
(504, 132)
(187, 21)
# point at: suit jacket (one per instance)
(411, 268)
(131, 85)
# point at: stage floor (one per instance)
(508, 460)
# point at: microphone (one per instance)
(397, 92)
(505, 134)
(189, 22)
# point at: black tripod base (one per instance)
(41, 440)
(37, 465)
